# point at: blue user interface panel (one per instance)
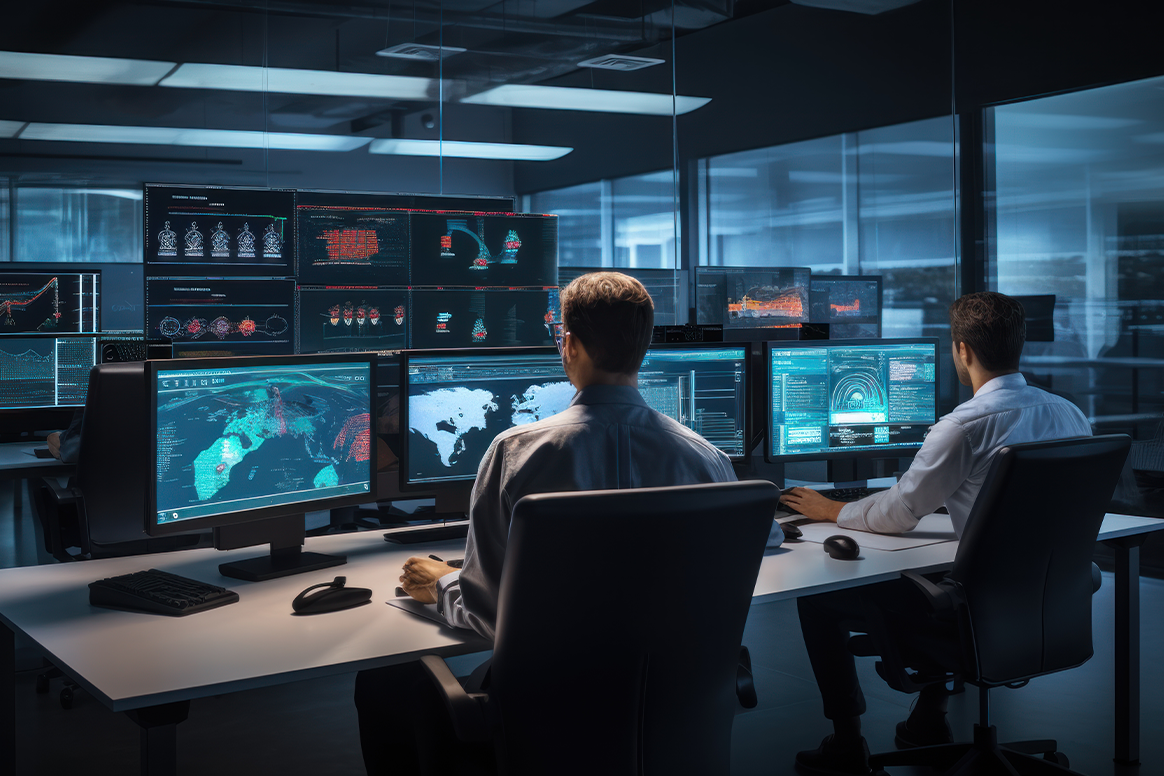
(703, 388)
(251, 437)
(837, 399)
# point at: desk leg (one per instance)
(159, 736)
(7, 702)
(1127, 648)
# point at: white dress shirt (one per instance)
(952, 463)
(607, 438)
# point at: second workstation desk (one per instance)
(152, 666)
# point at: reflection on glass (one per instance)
(54, 224)
(1079, 193)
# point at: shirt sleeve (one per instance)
(940, 467)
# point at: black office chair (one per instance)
(1017, 603)
(618, 632)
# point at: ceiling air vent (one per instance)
(620, 62)
(417, 51)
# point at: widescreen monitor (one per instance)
(234, 441)
(838, 399)
(752, 297)
(850, 304)
(455, 402)
(240, 316)
(662, 284)
(210, 230)
(352, 319)
(49, 302)
(45, 371)
(357, 244)
(481, 317)
(483, 249)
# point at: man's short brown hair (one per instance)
(612, 315)
(993, 325)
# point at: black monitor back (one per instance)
(112, 466)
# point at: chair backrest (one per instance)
(1024, 562)
(619, 625)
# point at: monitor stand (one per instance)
(452, 509)
(285, 535)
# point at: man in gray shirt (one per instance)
(607, 438)
(988, 331)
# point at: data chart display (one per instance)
(210, 231)
(228, 316)
(478, 249)
(850, 397)
(49, 302)
(351, 319)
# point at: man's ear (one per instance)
(966, 353)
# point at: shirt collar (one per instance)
(608, 394)
(1002, 382)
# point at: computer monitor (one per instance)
(352, 319)
(483, 249)
(838, 399)
(752, 297)
(213, 230)
(49, 302)
(239, 316)
(704, 387)
(850, 304)
(481, 317)
(358, 244)
(664, 286)
(45, 371)
(246, 446)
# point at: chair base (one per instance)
(984, 756)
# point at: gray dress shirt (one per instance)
(953, 461)
(607, 438)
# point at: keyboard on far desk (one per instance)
(158, 592)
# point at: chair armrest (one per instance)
(469, 711)
(940, 599)
(61, 494)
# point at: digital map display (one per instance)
(456, 406)
(851, 397)
(250, 437)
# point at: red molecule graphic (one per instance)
(360, 313)
(246, 327)
(357, 435)
(194, 327)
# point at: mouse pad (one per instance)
(412, 606)
(932, 529)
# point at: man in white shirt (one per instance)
(987, 330)
(607, 438)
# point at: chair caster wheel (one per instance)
(1058, 758)
(42, 684)
(67, 698)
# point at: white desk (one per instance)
(151, 666)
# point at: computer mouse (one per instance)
(841, 547)
(332, 598)
(791, 531)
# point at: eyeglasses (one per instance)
(557, 330)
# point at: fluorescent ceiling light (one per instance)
(420, 52)
(242, 78)
(90, 70)
(1059, 121)
(10, 128)
(598, 100)
(468, 150)
(207, 138)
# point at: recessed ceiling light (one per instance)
(93, 70)
(620, 62)
(420, 52)
(175, 136)
(244, 78)
(468, 150)
(599, 100)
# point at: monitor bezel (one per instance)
(747, 420)
(152, 367)
(406, 357)
(880, 297)
(897, 451)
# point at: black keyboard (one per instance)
(836, 494)
(158, 592)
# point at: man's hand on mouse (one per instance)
(420, 577)
(812, 505)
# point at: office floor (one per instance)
(309, 727)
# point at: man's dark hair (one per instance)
(992, 325)
(612, 315)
